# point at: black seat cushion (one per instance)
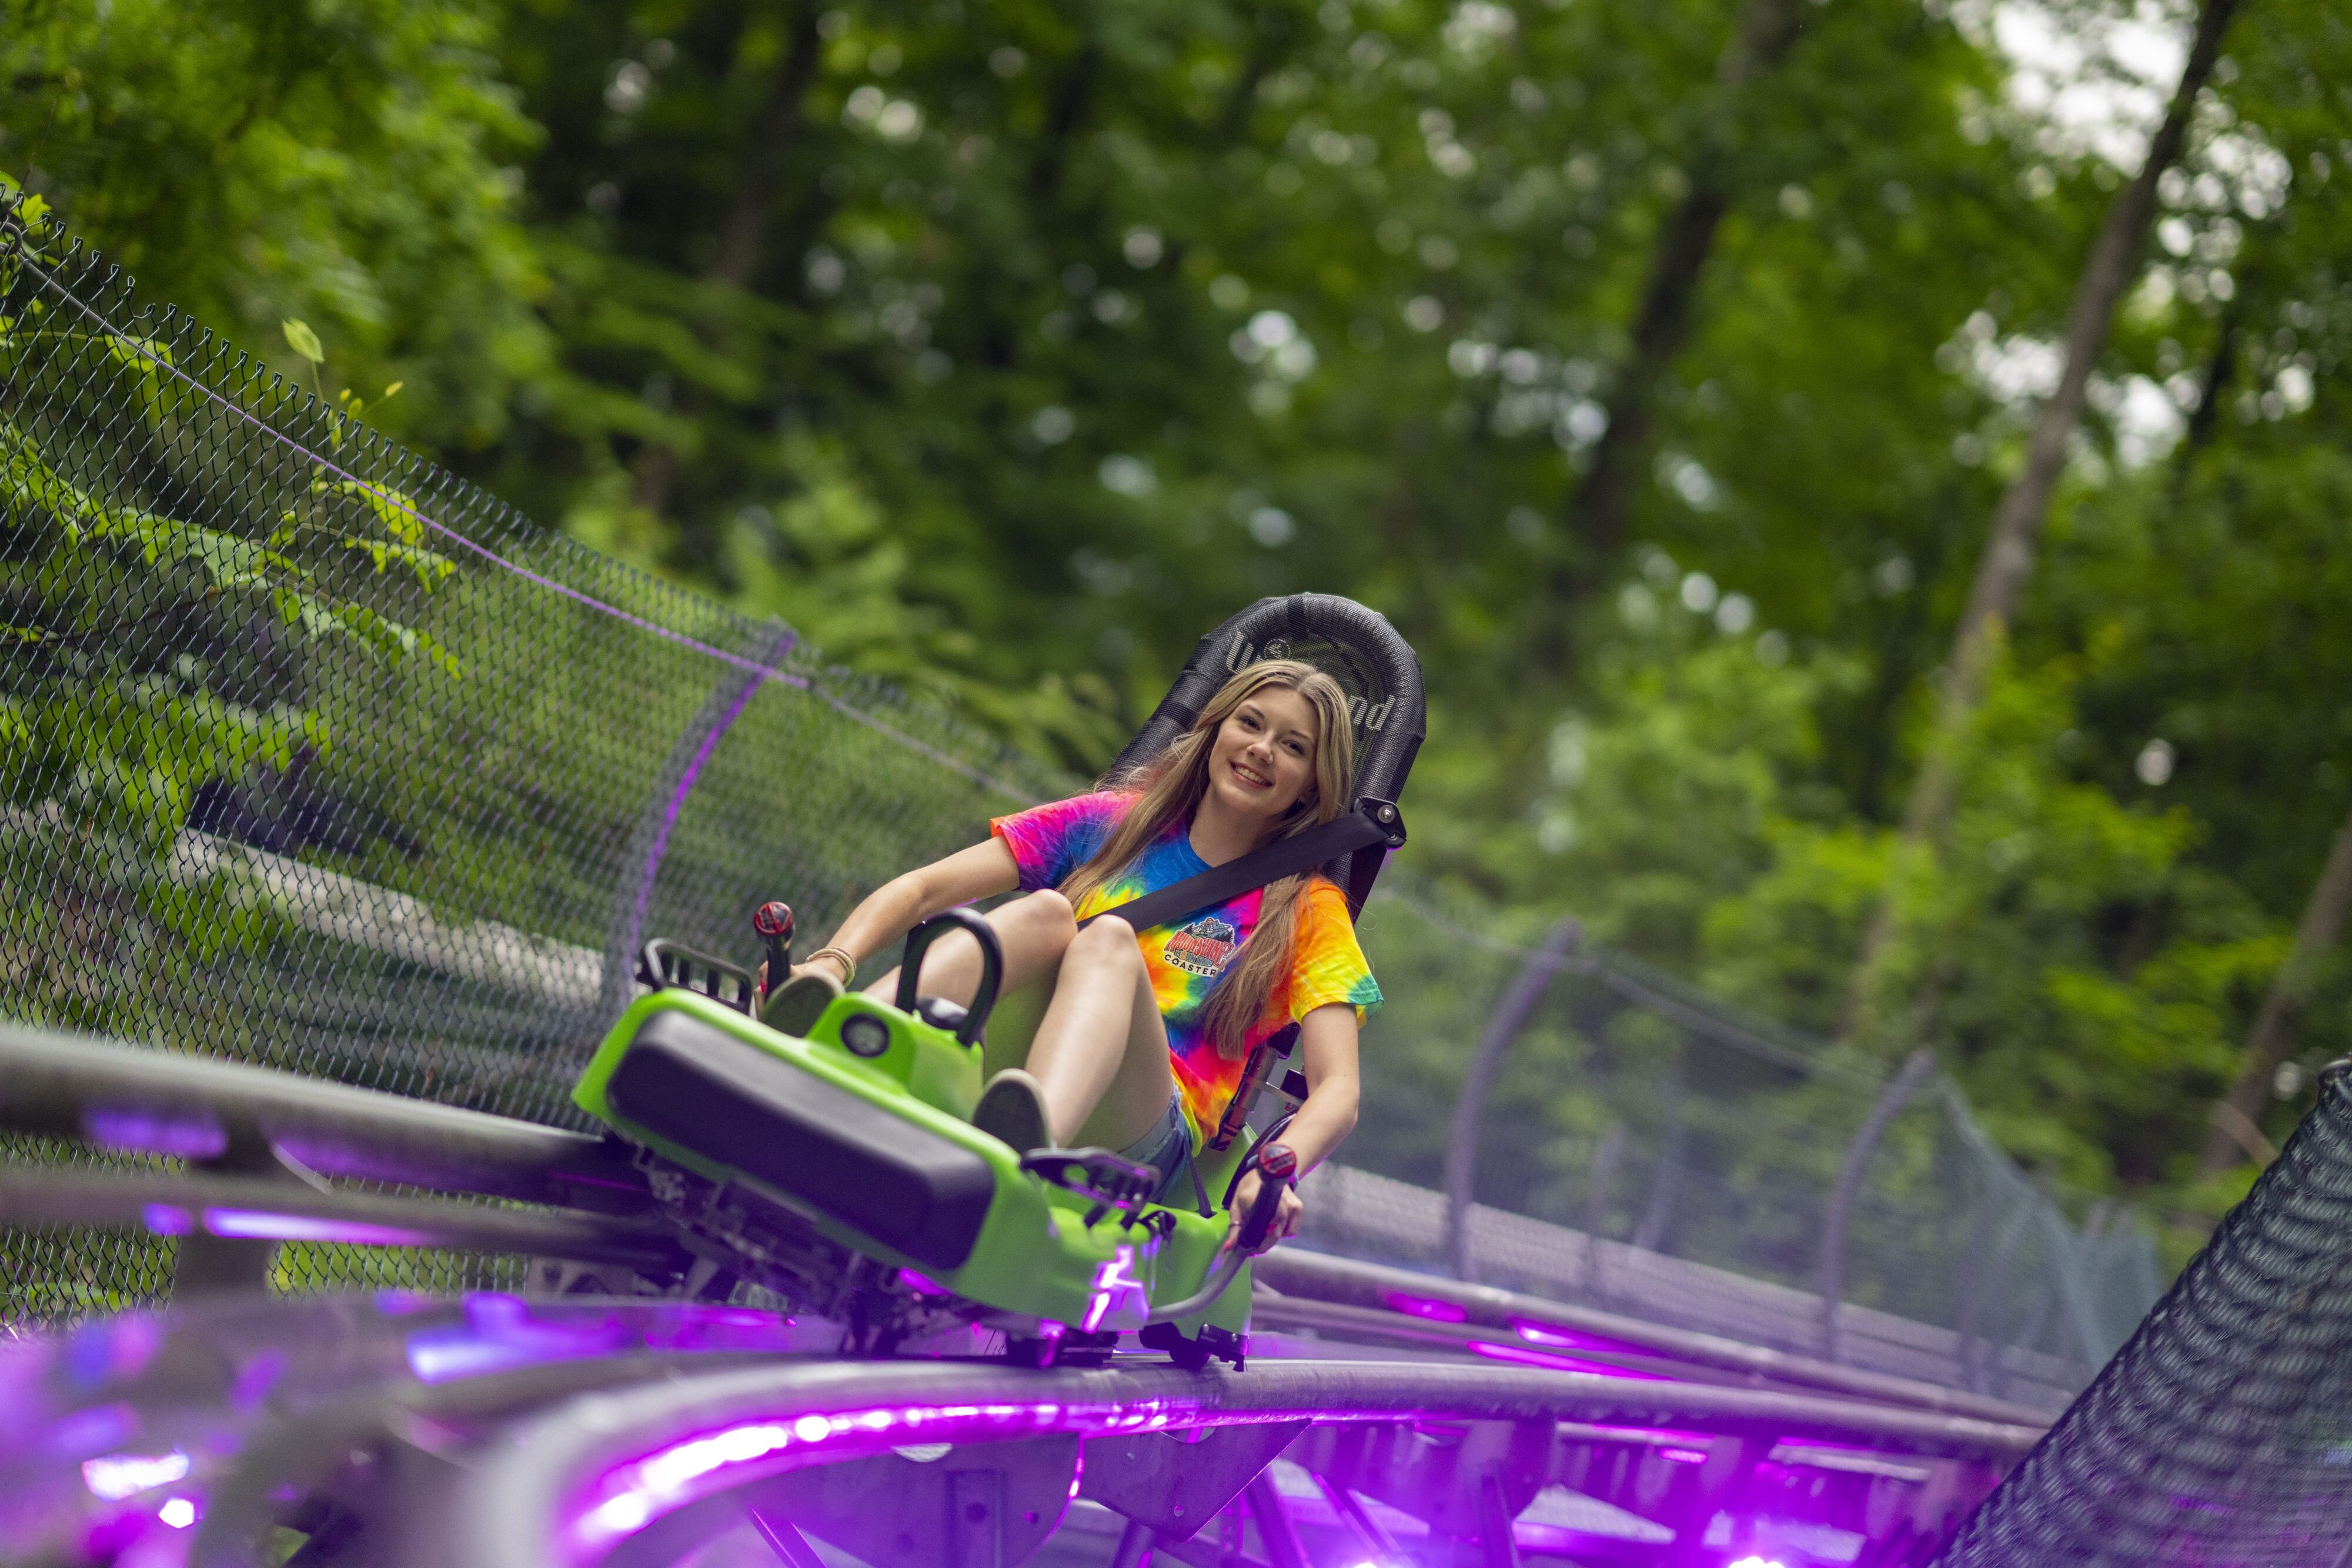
(906, 1186)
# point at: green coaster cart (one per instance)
(842, 1170)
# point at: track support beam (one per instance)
(988, 1505)
(1173, 1486)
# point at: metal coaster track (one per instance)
(493, 1432)
(561, 1484)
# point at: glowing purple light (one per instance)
(166, 1219)
(190, 1136)
(1544, 1333)
(634, 1493)
(1555, 1363)
(179, 1513)
(1753, 1562)
(1686, 1456)
(263, 1225)
(1111, 1283)
(101, 1426)
(501, 1332)
(400, 1302)
(253, 1384)
(119, 1476)
(1422, 1307)
(920, 1285)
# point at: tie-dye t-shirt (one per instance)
(1184, 963)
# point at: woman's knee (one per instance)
(1040, 922)
(1051, 910)
(1107, 940)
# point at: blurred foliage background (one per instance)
(1657, 369)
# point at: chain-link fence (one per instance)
(313, 756)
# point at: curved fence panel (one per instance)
(2222, 1434)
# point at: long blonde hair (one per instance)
(1168, 789)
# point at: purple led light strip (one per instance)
(632, 1495)
(582, 1478)
(1559, 1363)
(385, 495)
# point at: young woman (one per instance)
(1146, 1034)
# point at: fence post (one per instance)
(648, 844)
(1891, 1100)
(1503, 1026)
(1666, 1185)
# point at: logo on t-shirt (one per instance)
(1202, 948)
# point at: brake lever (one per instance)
(773, 922)
(1276, 1169)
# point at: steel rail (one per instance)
(154, 1101)
(573, 1482)
(1346, 1282)
(267, 1209)
(1385, 1328)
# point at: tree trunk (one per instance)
(736, 261)
(773, 137)
(2272, 1035)
(2219, 372)
(1604, 500)
(1065, 113)
(1599, 508)
(2007, 559)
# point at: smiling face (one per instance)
(1263, 761)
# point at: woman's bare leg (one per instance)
(1032, 930)
(1101, 1052)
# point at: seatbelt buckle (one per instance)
(1386, 818)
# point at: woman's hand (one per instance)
(1286, 1214)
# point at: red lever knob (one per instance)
(774, 918)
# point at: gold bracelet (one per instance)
(848, 963)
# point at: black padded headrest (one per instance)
(1354, 646)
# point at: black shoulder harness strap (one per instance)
(1371, 822)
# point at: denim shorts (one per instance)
(1167, 1148)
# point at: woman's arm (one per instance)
(891, 911)
(1328, 1035)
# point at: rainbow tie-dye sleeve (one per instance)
(1050, 841)
(1329, 962)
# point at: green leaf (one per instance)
(394, 510)
(431, 569)
(27, 481)
(229, 561)
(306, 612)
(304, 341)
(140, 353)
